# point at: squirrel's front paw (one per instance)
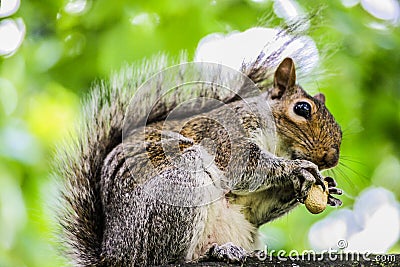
(228, 252)
(305, 174)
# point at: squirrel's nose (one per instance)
(330, 159)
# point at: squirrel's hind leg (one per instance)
(227, 252)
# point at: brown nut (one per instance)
(317, 199)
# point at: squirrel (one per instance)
(183, 180)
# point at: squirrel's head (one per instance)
(306, 129)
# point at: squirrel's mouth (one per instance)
(329, 159)
(325, 159)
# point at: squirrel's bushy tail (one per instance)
(79, 161)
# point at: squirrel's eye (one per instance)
(302, 109)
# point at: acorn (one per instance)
(317, 198)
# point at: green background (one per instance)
(62, 54)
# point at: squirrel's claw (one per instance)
(335, 191)
(331, 181)
(301, 200)
(228, 252)
(334, 202)
(321, 183)
(332, 186)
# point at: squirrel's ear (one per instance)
(285, 78)
(320, 97)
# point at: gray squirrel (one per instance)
(162, 170)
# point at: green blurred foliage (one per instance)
(62, 54)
